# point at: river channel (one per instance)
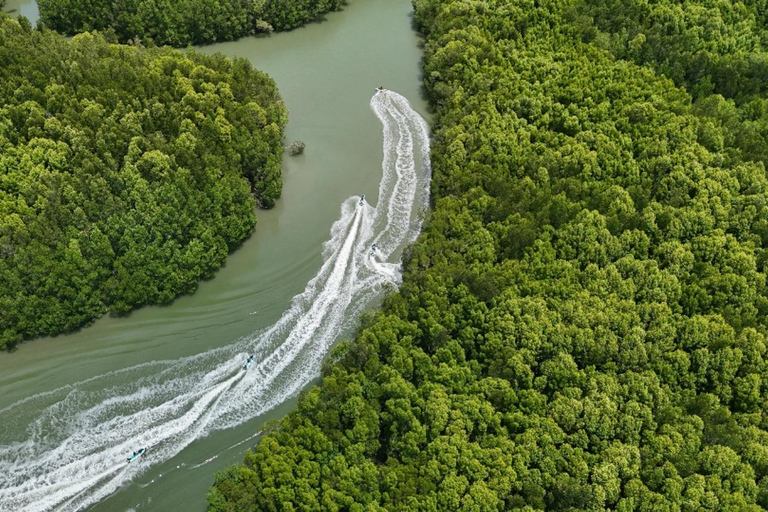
(326, 73)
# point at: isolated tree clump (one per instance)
(296, 148)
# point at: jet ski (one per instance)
(373, 250)
(380, 88)
(137, 454)
(362, 199)
(248, 361)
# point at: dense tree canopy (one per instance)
(126, 174)
(182, 22)
(582, 325)
(718, 50)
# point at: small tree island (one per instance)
(296, 148)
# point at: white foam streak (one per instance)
(72, 450)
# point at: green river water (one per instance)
(326, 73)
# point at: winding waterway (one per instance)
(183, 393)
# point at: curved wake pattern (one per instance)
(66, 449)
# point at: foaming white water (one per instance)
(66, 449)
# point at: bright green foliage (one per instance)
(126, 174)
(181, 22)
(717, 49)
(582, 325)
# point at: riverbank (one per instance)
(581, 325)
(326, 74)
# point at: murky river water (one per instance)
(326, 73)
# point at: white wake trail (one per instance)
(66, 449)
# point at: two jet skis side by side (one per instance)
(248, 361)
(137, 454)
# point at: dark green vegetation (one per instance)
(126, 174)
(296, 148)
(182, 22)
(583, 323)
